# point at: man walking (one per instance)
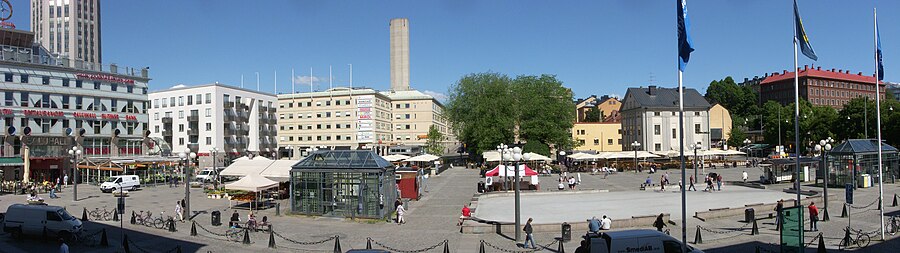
(813, 217)
(778, 218)
(529, 237)
(66, 180)
(744, 176)
(179, 212)
(691, 187)
(719, 182)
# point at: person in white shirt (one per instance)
(605, 223)
(400, 212)
(179, 213)
(744, 176)
(63, 247)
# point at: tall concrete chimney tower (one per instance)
(399, 54)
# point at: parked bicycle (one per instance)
(101, 214)
(234, 234)
(894, 226)
(856, 237)
(160, 222)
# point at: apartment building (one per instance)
(598, 136)
(215, 119)
(650, 116)
(834, 88)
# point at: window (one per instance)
(181, 127)
(190, 100)
(656, 130)
(696, 128)
(156, 115)
(596, 141)
(171, 102)
(656, 113)
(208, 112)
(180, 141)
(24, 78)
(129, 88)
(208, 126)
(696, 113)
(208, 98)
(609, 142)
(657, 147)
(96, 85)
(45, 80)
(180, 100)
(114, 87)
(199, 99)
(674, 133)
(180, 114)
(78, 84)
(208, 140)
(8, 77)
(65, 101)
(23, 96)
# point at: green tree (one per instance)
(545, 111)
(433, 143)
(775, 117)
(736, 137)
(739, 100)
(593, 115)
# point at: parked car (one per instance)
(208, 175)
(23, 219)
(130, 182)
(640, 240)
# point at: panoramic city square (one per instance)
(472, 126)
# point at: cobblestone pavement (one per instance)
(430, 222)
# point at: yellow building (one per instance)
(606, 104)
(719, 125)
(598, 136)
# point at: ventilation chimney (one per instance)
(859, 74)
(819, 68)
(832, 69)
(805, 67)
(651, 90)
(784, 72)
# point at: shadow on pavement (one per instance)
(890, 245)
(91, 241)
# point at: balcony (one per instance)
(167, 132)
(193, 132)
(193, 118)
(167, 120)
(228, 105)
(272, 110)
(194, 147)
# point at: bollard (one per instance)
(560, 249)
(755, 230)
(171, 225)
(821, 248)
(337, 244)
(125, 244)
(369, 243)
(246, 236)
(698, 239)
(271, 238)
(193, 228)
(481, 247)
(116, 215)
(84, 215)
(895, 200)
(103, 240)
(844, 212)
(133, 218)
(278, 209)
(879, 204)
(446, 246)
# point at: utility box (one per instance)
(566, 232)
(749, 215)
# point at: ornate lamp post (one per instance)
(186, 157)
(517, 156)
(634, 146)
(215, 156)
(75, 152)
(824, 147)
(747, 142)
(696, 147)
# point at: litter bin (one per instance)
(216, 218)
(566, 232)
(749, 215)
(480, 187)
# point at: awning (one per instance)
(503, 170)
(423, 158)
(244, 167)
(12, 161)
(252, 183)
(394, 158)
(279, 170)
(90, 167)
(537, 157)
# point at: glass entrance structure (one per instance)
(343, 183)
(849, 161)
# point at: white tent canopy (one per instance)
(279, 170)
(423, 158)
(578, 156)
(394, 158)
(244, 167)
(252, 183)
(537, 157)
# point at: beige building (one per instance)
(606, 104)
(598, 136)
(399, 54)
(70, 29)
(361, 118)
(719, 125)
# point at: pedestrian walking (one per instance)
(719, 182)
(779, 217)
(63, 247)
(58, 183)
(744, 176)
(709, 185)
(813, 217)
(66, 180)
(529, 237)
(659, 223)
(691, 187)
(662, 182)
(179, 211)
(400, 212)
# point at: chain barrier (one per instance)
(731, 233)
(406, 251)
(91, 239)
(304, 243)
(866, 206)
(506, 250)
(132, 244)
(859, 231)
(211, 232)
(814, 240)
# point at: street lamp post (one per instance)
(634, 146)
(186, 157)
(824, 147)
(696, 147)
(747, 142)
(215, 156)
(75, 152)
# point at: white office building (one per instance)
(650, 117)
(215, 119)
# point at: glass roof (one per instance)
(861, 146)
(343, 159)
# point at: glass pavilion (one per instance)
(853, 158)
(343, 183)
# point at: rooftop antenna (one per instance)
(310, 84)
(351, 80)
(242, 81)
(276, 82)
(292, 82)
(652, 79)
(330, 84)
(257, 81)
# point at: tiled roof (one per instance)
(861, 146)
(664, 98)
(818, 73)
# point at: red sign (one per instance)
(37, 113)
(84, 115)
(130, 117)
(6, 111)
(110, 116)
(102, 77)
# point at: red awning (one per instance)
(503, 170)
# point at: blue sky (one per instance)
(594, 47)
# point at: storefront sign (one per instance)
(6, 111)
(48, 141)
(102, 77)
(37, 113)
(84, 115)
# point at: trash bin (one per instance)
(480, 187)
(749, 215)
(216, 218)
(566, 232)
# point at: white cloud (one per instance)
(306, 80)
(437, 95)
(614, 95)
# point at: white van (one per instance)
(208, 175)
(642, 240)
(33, 219)
(129, 182)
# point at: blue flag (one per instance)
(800, 36)
(878, 54)
(685, 44)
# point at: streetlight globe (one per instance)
(517, 156)
(71, 152)
(507, 156)
(182, 155)
(517, 150)
(187, 151)
(193, 155)
(527, 156)
(78, 152)
(562, 152)
(818, 147)
(823, 142)
(828, 147)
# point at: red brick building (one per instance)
(820, 87)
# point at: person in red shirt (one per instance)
(466, 213)
(813, 216)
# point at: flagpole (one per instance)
(683, 173)
(878, 124)
(276, 82)
(797, 121)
